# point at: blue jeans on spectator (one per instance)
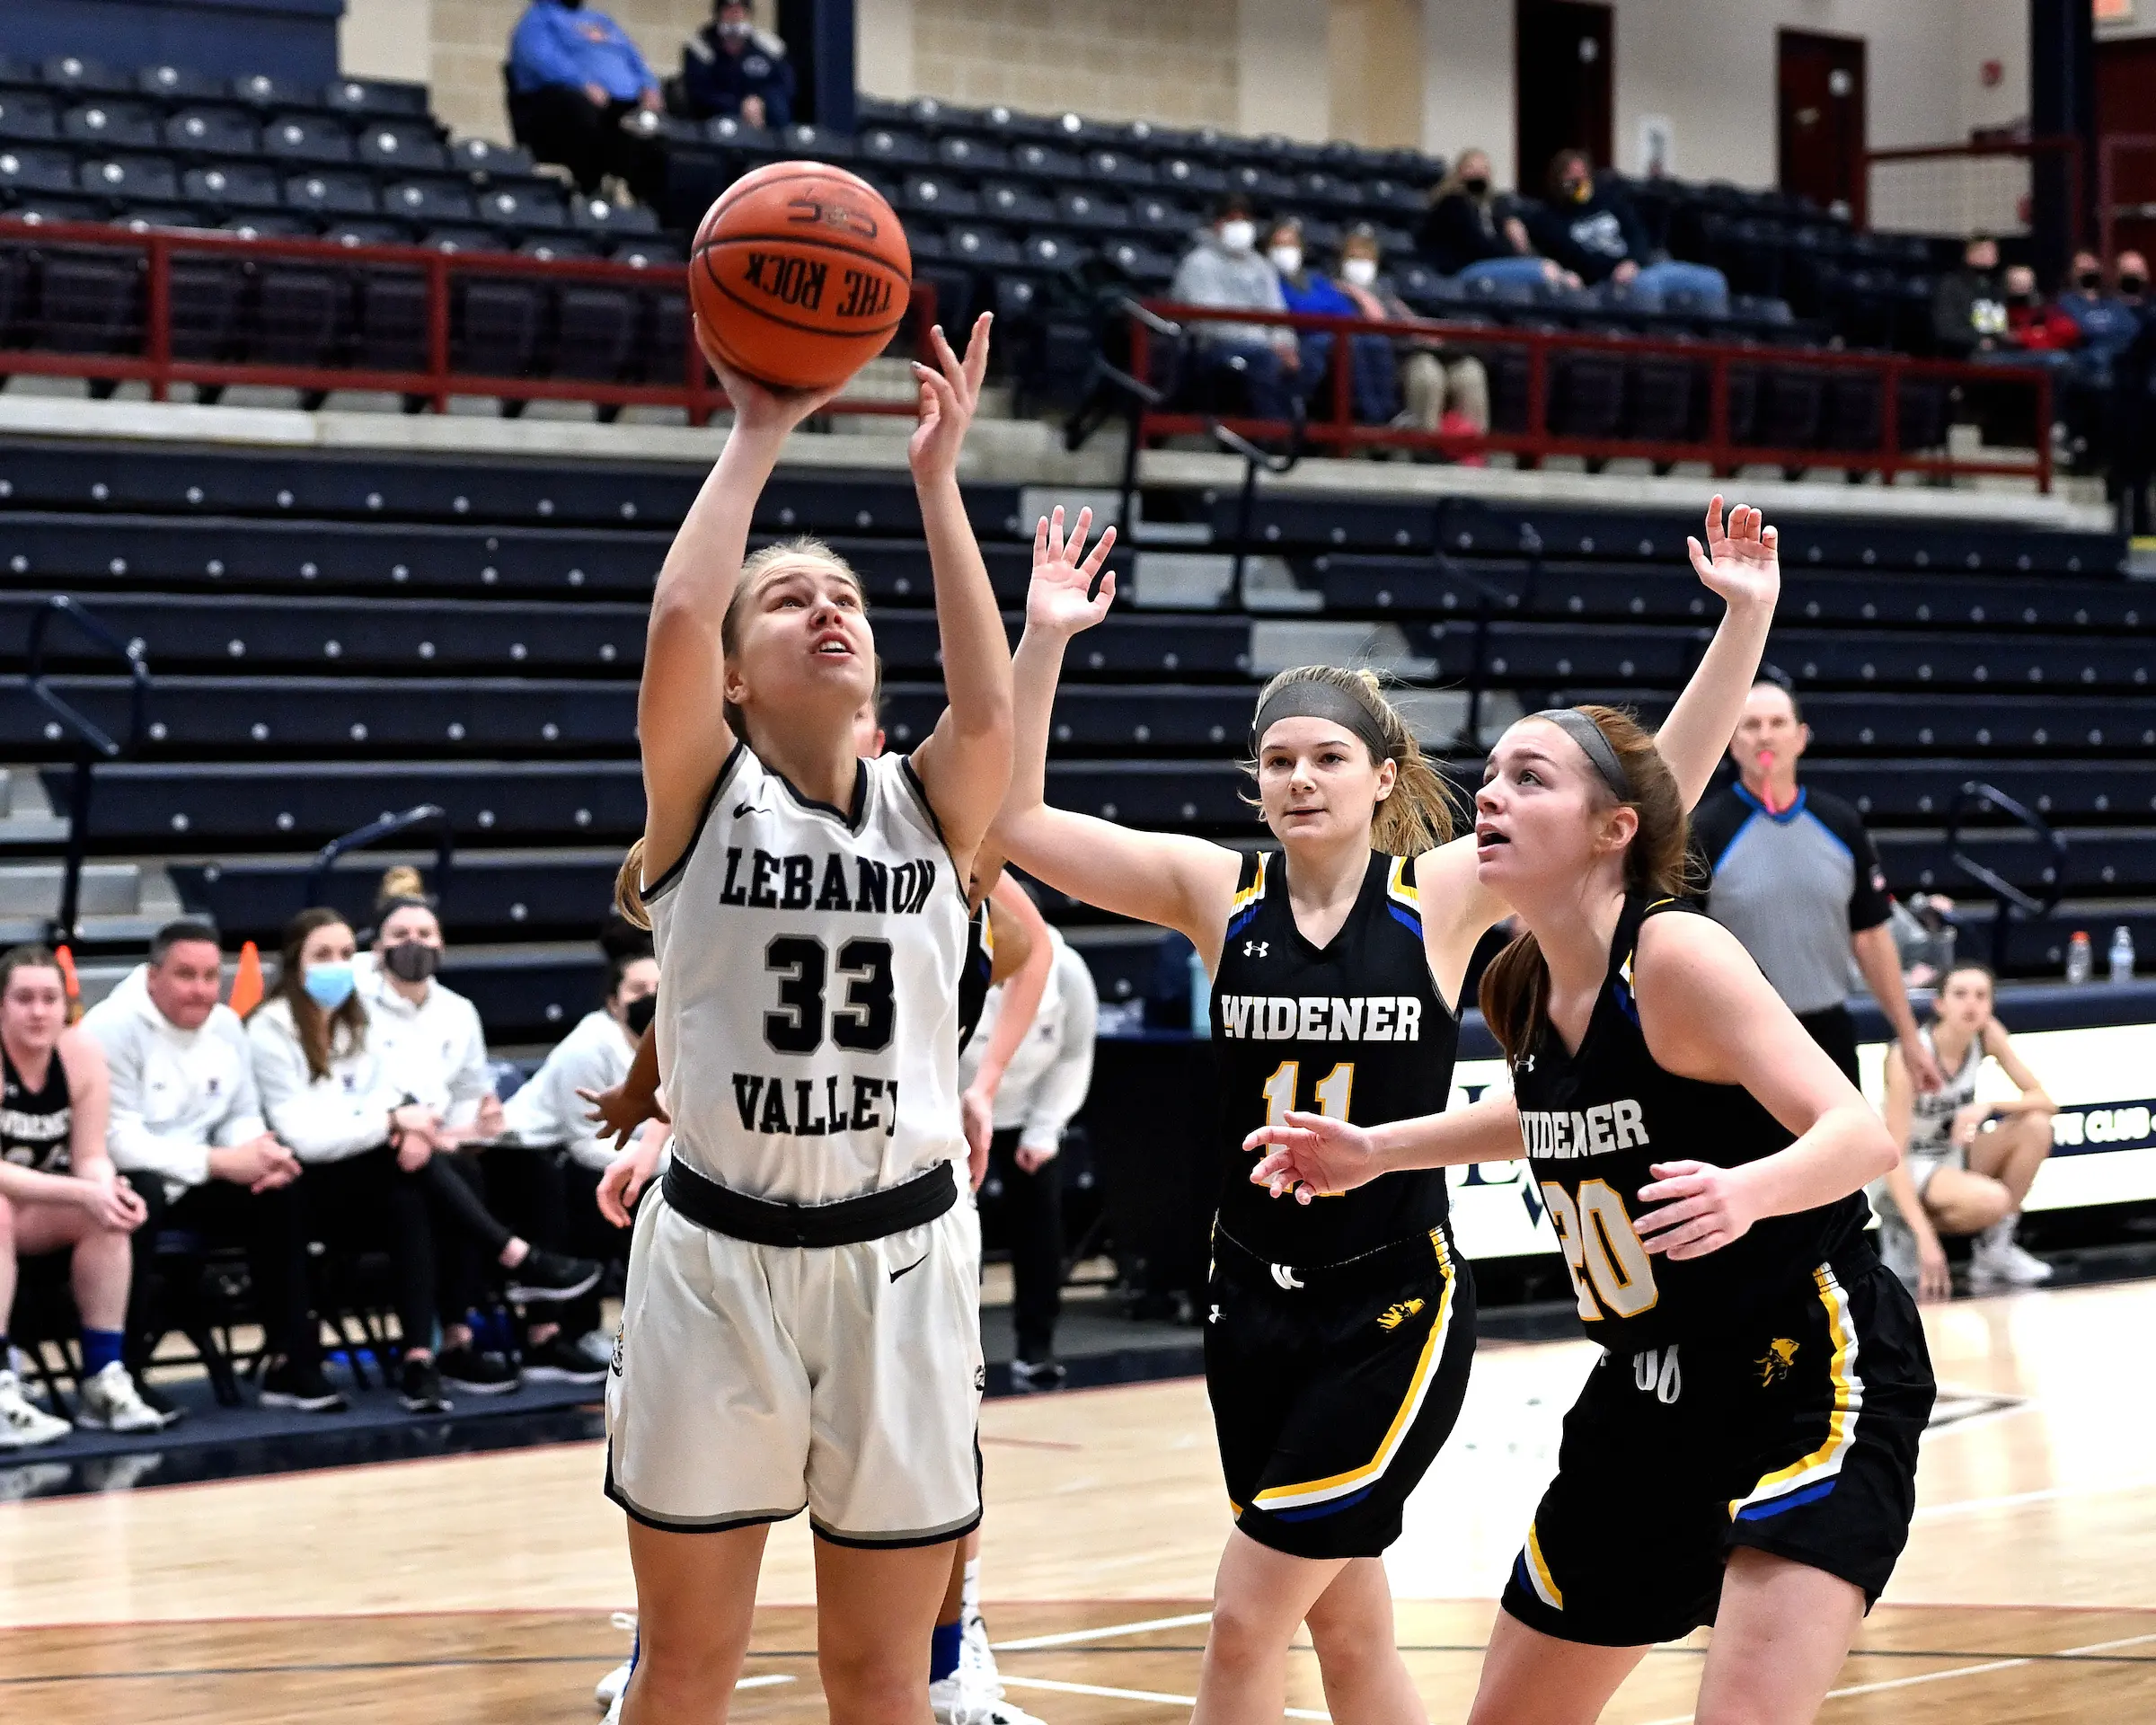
(1257, 365)
(1374, 389)
(1656, 281)
(1526, 270)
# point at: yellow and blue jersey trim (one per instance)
(1532, 1571)
(1309, 1498)
(1244, 905)
(1812, 1477)
(1403, 900)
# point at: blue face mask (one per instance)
(329, 985)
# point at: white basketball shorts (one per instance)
(752, 1382)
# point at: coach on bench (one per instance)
(186, 1132)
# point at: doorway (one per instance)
(1820, 99)
(1561, 81)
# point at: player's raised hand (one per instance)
(1702, 1209)
(1313, 1156)
(618, 1111)
(949, 393)
(1069, 592)
(1740, 560)
(759, 409)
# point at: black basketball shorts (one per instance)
(1334, 1388)
(1797, 1436)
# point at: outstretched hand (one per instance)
(1064, 596)
(949, 393)
(1313, 1156)
(1699, 1208)
(1741, 561)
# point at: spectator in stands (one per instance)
(2107, 322)
(730, 66)
(1968, 305)
(1590, 227)
(1040, 1091)
(2133, 436)
(430, 1045)
(60, 1198)
(186, 1132)
(549, 1116)
(1468, 233)
(1795, 878)
(579, 94)
(1967, 1166)
(1224, 270)
(1446, 391)
(1374, 381)
(2032, 326)
(363, 1145)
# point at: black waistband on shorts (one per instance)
(848, 1221)
(1382, 1266)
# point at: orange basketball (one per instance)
(800, 272)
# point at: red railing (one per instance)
(696, 392)
(1337, 429)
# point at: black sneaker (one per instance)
(1036, 1374)
(289, 1384)
(483, 1374)
(419, 1387)
(549, 1276)
(558, 1360)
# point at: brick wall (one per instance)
(1173, 61)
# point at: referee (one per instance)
(1796, 879)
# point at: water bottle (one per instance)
(2121, 954)
(2080, 961)
(1201, 999)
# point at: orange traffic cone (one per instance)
(72, 982)
(247, 985)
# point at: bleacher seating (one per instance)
(335, 637)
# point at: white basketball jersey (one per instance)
(809, 986)
(1931, 1115)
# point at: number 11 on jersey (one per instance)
(1335, 1090)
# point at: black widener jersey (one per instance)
(1354, 1030)
(1595, 1121)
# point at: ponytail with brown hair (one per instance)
(1421, 812)
(1514, 994)
(628, 889)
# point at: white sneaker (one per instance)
(980, 1688)
(109, 1402)
(22, 1423)
(1999, 1260)
(608, 1691)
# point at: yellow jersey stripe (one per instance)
(1400, 882)
(1252, 893)
(1824, 1462)
(1340, 1485)
(1538, 1572)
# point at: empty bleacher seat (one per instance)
(307, 138)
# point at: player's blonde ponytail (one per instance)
(629, 888)
(1421, 812)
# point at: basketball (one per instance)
(799, 273)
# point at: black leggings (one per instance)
(560, 123)
(468, 1237)
(1032, 1213)
(266, 1224)
(367, 1202)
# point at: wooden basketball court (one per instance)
(479, 1588)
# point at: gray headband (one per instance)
(1594, 745)
(1307, 698)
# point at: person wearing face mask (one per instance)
(2107, 322)
(1590, 227)
(2032, 326)
(1446, 391)
(1224, 270)
(361, 1142)
(730, 66)
(1468, 232)
(548, 1116)
(2132, 444)
(1373, 384)
(580, 96)
(430, 1045)
(1968, 305)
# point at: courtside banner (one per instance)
(2103, 1137)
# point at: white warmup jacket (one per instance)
(1046, 1080)
(435, 1052)
(176, 1094)
(548, 1113)
(320, 1119)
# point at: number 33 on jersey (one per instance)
(825, 946)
